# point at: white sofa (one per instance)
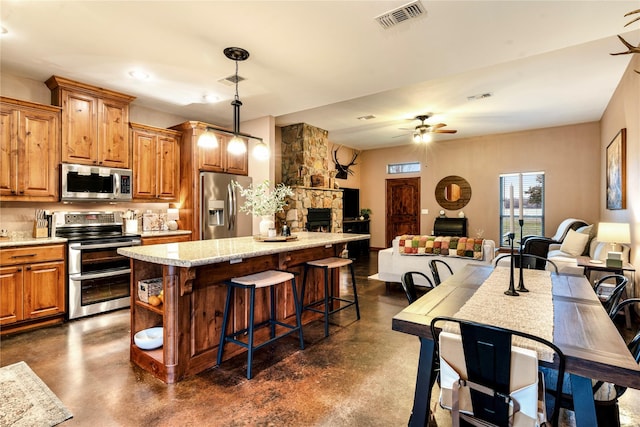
(392, 265)
(568, 263)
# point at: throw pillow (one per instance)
(574, 243)
(587, 229)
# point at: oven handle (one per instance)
(80, 246)
(80, 277)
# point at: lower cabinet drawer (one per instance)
(31, 254)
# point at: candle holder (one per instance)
(521, 287)
(512, 290)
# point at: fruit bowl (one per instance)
(149, 339)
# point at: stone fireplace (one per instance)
(305, 168)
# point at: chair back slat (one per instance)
(488, 361)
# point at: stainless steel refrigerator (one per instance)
(221, 201)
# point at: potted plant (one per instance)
(263, 202)
(364, 213)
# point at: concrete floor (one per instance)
(363, 374)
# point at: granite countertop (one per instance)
(203, 252)
(29, 241)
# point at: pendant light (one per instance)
(237, 144)
(208, 139)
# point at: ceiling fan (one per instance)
(422, 132)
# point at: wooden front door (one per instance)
(403, 207)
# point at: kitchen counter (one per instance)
(193, 284)
(29, 241)
(203, 252)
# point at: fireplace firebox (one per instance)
(319, 219)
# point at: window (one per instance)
(396, 168)
(532, 204)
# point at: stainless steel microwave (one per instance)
(95, 183)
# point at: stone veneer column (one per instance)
(304, 153)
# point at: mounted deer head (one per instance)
(630, 48)
(343, 170)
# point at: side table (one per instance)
(585, 262)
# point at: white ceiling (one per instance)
(326, 63)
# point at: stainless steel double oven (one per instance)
(98, 277)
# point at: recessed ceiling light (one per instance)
(367, 117)
(210, 98)
(139, 75)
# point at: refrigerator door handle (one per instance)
(231, 197)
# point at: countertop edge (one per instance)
(32, 241)
(231, 249)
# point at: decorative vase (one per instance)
(265, 224)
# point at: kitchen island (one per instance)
(193, 275)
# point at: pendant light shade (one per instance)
(236, 146)
(261, 151)
(208, 140)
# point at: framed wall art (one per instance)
(617, 171)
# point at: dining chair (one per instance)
(605, 395)
(608, 293)
(529, 261)
(435, 273)
(485, 380)
(409, 284)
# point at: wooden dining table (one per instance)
(590, 341)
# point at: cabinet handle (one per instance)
(29, 268)
(23, 256)
(19, 269)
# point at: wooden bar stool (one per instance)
(252, 282)
(326, 265)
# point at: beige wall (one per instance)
(623, 111)
(568, 155)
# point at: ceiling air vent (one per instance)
(231, 80)
(401, 14)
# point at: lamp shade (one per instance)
(261, 151)
(208, 140)
(614, 232)
(237, 146)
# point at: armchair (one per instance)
(539, 245)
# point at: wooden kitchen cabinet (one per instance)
(29, 151)
(94, 128)
(156, 162)
(32, 287)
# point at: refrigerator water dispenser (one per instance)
(216, 212)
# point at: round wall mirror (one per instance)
(453, 192)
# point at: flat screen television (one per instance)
(350, 203)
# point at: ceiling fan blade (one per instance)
(438, 125)
(401, 136)
(445, 131)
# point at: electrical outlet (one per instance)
(424, 211)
